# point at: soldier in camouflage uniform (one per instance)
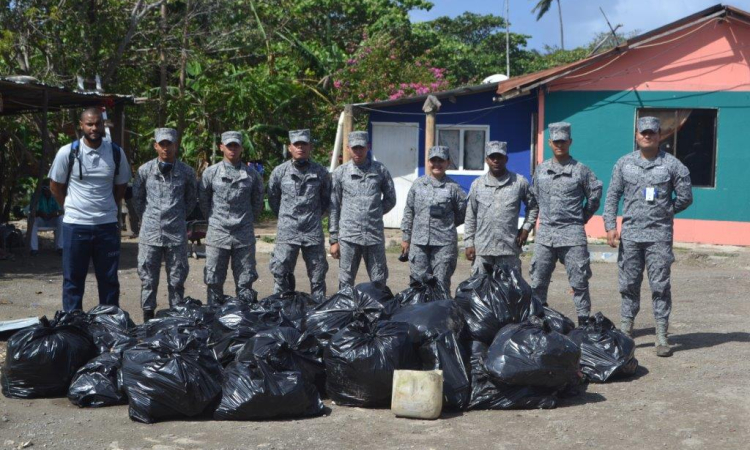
(231, 197)
(299, 192)
(435, 206)
(362, 192)
(491, 234)
(568, 194)
(654, 186)
(164, 194)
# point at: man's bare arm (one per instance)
(59, 191)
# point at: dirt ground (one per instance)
(699, 398)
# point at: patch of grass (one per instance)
(268, 239)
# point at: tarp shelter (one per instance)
(24, 95)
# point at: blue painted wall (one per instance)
(509, 121)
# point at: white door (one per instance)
(395, 145)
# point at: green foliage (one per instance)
(258, 66)
(471, 46)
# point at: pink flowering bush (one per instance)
(381, 68)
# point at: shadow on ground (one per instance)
(49, 264)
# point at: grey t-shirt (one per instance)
(90, 201)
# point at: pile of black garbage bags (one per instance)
(278, 357)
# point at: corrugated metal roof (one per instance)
(466, 90)
(20, 95)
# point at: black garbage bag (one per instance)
(182, 325)
(424, 290)
(381, 294)
(286, 349)
(360, 361)
(557, 321)
(234, 324)
(294, 306)
(170, 375)
(344, 307)
(75, 318)
(445, 352)
(111, 328)
(190, 308)
(492, 300)
(436, 327)
(606, 352)
(41, 361)
(531, 354)
(486, 393)
(254, 391)
(95, 384)
(429, 320)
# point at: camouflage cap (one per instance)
(559, 131)
(439, 151)
(299, 136)
(358, 139)
(165, 134)
(649, 123)
(496, 147)
(229, 137)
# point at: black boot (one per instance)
(582, 320)
(148, 314)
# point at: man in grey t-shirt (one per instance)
(90, 184)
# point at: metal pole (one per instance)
(507, 38)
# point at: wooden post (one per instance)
(431, 107)
(348, 128)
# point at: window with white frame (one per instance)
(466, 145)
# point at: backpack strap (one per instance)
(75, 149)
(116, 156)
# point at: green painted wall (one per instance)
(603, 126)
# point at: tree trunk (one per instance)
(163, 69)
(559, 12)
(183, 68)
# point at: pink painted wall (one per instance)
(714, 55)
(689, 230)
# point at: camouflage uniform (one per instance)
(163, 202)
(360, 196)
(300, 198)
(492, 211)
(647, 226)
(230, 198)
(560, 190)
(434, 208)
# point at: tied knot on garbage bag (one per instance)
(41, 361)
(343, 308)
(423, 290)
(606, 352)
(169, 375)
(492, 300)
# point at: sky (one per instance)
(582, 19)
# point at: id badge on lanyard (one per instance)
(650, 194)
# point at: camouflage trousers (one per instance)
(175, 265)
(351, 256)
(481, 263)
(284, 259)
(437, 260)
(577, 265)
(243, 269)
(657, 258)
